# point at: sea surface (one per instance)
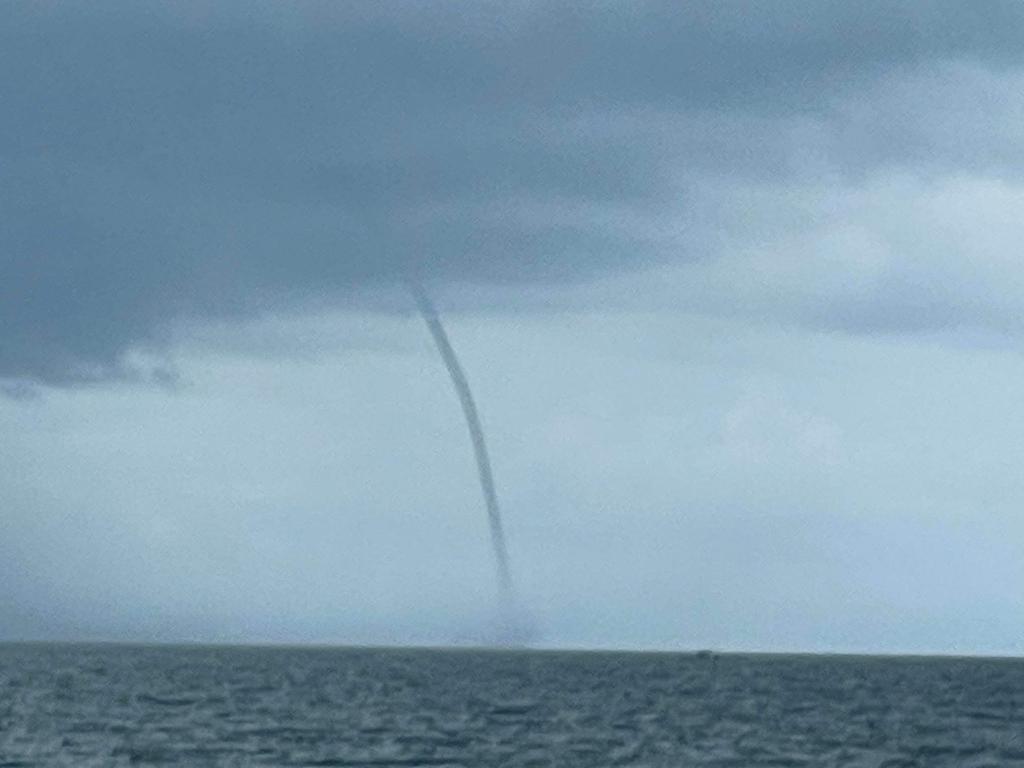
(79, 705)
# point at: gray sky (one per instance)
(738, 286)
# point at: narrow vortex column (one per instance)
(506, 593)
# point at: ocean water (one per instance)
(77, 705)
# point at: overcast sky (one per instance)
(738, 286)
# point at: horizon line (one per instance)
(701, 652)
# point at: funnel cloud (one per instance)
(506, 593)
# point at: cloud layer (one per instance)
(191, 163)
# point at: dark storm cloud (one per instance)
(212, 161)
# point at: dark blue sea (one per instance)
(80, 705)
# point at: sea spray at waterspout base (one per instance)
(510, 616)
